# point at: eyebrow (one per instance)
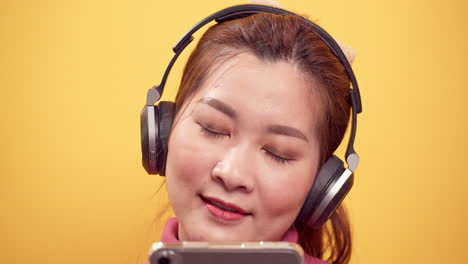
(220, 106)
(287, 131)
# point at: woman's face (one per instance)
(243, 152)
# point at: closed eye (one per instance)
(210, 132)
(276, 157)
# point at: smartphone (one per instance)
(226, 253)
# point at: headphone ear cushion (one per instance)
(332, 199)
(327, 175)
(149, 120)
(166, 117)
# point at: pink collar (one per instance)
(170, 232)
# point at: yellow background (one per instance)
(74, 76)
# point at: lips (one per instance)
(224, 210)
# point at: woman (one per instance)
(262, 104)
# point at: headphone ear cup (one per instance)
(149, 134)
(166, 117)
(335, 194)
(330, 187)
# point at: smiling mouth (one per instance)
(229, 209)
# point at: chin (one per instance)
(215, 233)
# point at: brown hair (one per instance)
(286, 38)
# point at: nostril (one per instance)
(232, 171)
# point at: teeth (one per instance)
(223, 207)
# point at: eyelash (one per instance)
(270, 154)
(210, 132)
(276, 158)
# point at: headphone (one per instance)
(333, 180)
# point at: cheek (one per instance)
(184, 170)
(284, 193)
(189, 159)
(181, 160)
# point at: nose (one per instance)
(234, 171)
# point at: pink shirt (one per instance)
(170, 232)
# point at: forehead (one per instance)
(260, 91)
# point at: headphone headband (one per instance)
(239, 11)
